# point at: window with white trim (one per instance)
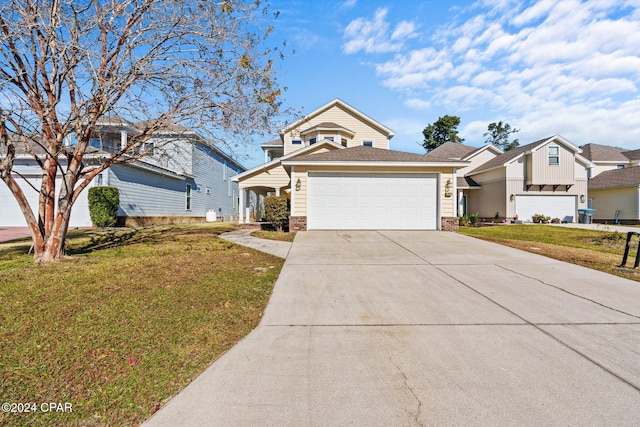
(367, 143)
(188, 197)
(554, 156)
(296, 142)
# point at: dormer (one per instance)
(327, 131)
(338, 122)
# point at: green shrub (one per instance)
(276, 211)
(464, 221)
(103, 206)
(473, 218)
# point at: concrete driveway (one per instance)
(427, 328)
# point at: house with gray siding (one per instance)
(181, 176)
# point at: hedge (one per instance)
(103, 205)
(276, 211)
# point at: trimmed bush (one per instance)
(103, 206)
(276, 211)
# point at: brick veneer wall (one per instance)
(450, 223)
(297, 223)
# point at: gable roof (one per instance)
(364, 154)
(457, 151)
(450, 150)
(340, 103)
(627, 177)
(276, 162)
(510, 156)
(604, 153)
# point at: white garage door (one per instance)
(553, 206)
(372, 201)
(11, 215)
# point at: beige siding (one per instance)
(363, 131)
(489, 200)
(541, 172)
(299, 197)
(476, 161)
(274, 177)
(606, 202)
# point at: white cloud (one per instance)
(348, 4)
(418, 104)
(373, 36)
(567, 66)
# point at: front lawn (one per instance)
(124, 325)
(599, 250)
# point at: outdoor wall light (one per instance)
(582, 198)
(298, 185)
(512, 197)
(448, 188)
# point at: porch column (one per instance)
(123, 138)
(278, 191)
(241, 204)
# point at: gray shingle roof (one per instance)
(632, 155)
(465, 183)
(274, 143)
(450, 151)
(597, 152)
(627, 177)
(364, 154)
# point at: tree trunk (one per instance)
(52, 247)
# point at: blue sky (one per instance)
(565, 67)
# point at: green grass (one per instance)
(126, 323)
(274, 235)
(597, 249)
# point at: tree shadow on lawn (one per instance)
(80, 242)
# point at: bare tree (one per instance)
(64, 64)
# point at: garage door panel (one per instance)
(372, 201)
(558, 206)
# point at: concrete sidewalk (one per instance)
(427, 328)
(244, 238)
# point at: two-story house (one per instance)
(183, 176)
(336, 166)
(547, 177)
(614, 183)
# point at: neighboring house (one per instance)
(547, 177)
(183, 176)
(336, 166)
(475, 157)
(607, 158)
(615, 194)
(614, 183)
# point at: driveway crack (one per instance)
(405, 382)
(566, 291)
